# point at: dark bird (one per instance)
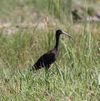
(48, 58)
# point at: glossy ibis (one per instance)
(48, 58)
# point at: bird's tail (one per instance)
(35, 67)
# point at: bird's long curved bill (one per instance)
(67, 34)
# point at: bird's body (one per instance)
(48, 58)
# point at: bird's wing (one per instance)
(49, 56)
(46, 59)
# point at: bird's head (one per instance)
(59, 32)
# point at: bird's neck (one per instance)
(57, 42)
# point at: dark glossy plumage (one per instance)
(48, 58)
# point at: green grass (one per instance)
(73, 77)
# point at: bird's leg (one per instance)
(47, 79)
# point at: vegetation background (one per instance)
(27, 30)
